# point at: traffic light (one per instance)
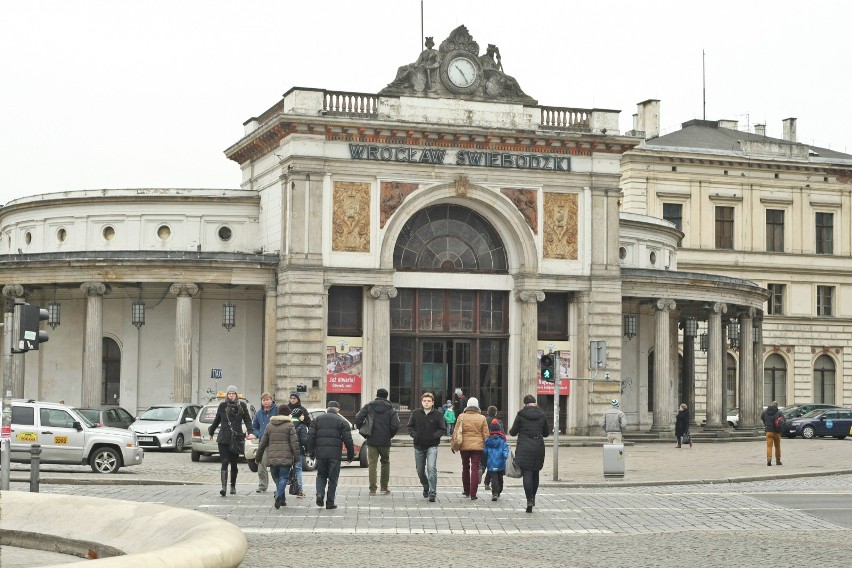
(30, 334)
(548, 373)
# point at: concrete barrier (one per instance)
(121, 533)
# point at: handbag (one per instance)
(366, 428)
(237, 446)
(687, 438)
(512, 469)
(294, 490)
(456, 439)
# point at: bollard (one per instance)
(35, 461)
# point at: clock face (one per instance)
(461, 72)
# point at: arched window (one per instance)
(449, 238)
(730, 382)
(111, 387)
(775, 380)
(824, 380)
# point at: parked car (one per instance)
(202, 445)
(68, 437)
(166, 426)
(113, 417)
(733, 418)
(821, 422)
(795, 410)
(358, 441)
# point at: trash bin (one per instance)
(613, 460)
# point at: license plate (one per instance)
(145, 438)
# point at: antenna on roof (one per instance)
(703, 88)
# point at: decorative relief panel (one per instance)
(526, 200)
(560, 225)
(393, 194)
(351, 220)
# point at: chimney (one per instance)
(635, 122)
(760, 129)
(789, 129)
(732, 124)
(648, 119)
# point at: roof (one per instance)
(708, 135)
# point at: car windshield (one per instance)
(162, 413)
(813, 413)
(85, 419)
(89, 414)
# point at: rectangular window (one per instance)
(825, 233)
(462, 310)
(430, 313)
(402, 310)
(553, 316)
(673, 213)
(344, 311)
(724, 227)
(491, 312)
(775, 305)
(825, 301)
(402, 370)
(774, 230)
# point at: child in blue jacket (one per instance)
(495, 454)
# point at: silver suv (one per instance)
(68, 437)
(202, 445)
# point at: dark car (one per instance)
(834, 422)
(112, 417)
(795, 410)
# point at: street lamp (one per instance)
(702, 342)
(54, 313)
(690, 328)
(629, 326)
(734, 333)
(137, 313)
(229, 315)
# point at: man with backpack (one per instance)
(773, 421)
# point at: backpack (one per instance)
(780, 421)
(302, 433)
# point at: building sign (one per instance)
(344, 366)
(563, 363)
(437, 156)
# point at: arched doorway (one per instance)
(111, 382)
(824, 379)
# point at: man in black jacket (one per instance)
(425, 426)
(385, 424)
(327, 432)
(296, 403)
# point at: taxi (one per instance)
(202, 445)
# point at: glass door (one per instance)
(434, 368)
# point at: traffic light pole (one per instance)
(6, 432)
(557, 390)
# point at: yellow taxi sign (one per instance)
(223, 394)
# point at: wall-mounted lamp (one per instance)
(137, 313)
(690, 328)
(229, 315)
(755, 334)
(734, 333)
(54, 313)
(702, 342)
(630, 326)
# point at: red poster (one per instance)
(343, 367)
(546, 388)
(342, 383)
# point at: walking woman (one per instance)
(682, 427)
(474, 431)
(232, 414)
(531, 428)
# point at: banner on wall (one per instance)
(564, 362)
(344, 367)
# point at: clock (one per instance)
(461, 72)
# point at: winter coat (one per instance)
(281, 440)
(426, 429)
(261, 419)
(682, 423)
(385, 421)
(230, 415)
(302, 432)
(613, 420)
(459, 404)
(450, 415)
(768, 417)
(326, 434)
(474, 429)
(531, 428)
(496, 452)
(306, 416)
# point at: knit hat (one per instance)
(333, 404)
(472, 402)
(494, 426)
(231, 388)
(529, 399)
(283, 409)
(292, 394)
(381, 393)
(614, 403)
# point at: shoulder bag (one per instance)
(512, 469)
(366, 428)
(456, 440)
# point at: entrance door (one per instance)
(445, 365)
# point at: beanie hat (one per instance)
(381, 393)
(529, 399)
(494, 426)
(472, 402)
(283, 409)
(333, 404)
(292, 394)
(231, 388)
(614, 403)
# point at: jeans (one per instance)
(281, 474)
(530, 483)
(773, 439)
(299, 471)
(426, 464)
(470, 471)
(373, 455)
(328, 470)
(450, 427)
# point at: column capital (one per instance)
(665, 305)
(719, 308)
(183, 289)
(747, 313)
(529, 296)
(12, 291)
(93, 288)
(383, 292)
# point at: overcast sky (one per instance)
(120, 94)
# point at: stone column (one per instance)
(380, 352)
(715, 367)
(689, 374)
(748, 405)
(183, 339)
(93, 344)
(270, 383)
(662, 366)
(528, 378)
(12, 292)
(758, 370)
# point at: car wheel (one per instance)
(196, 456)
(808, 432)
(840, 437)
(362, 457)
(178, 444)
(105, 460)
(309, 463)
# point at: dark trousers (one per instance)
(530, 483)
(225, 458)
(470, 471)
(328, 470)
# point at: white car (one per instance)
(202, 445)
(166, 426)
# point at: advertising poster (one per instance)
(564, 362)
(344, 366)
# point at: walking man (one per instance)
(773, 427)
(613, 423)
(385, 424)
(279, 446)
(261, 419)
(426, 426)
(326, 434)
